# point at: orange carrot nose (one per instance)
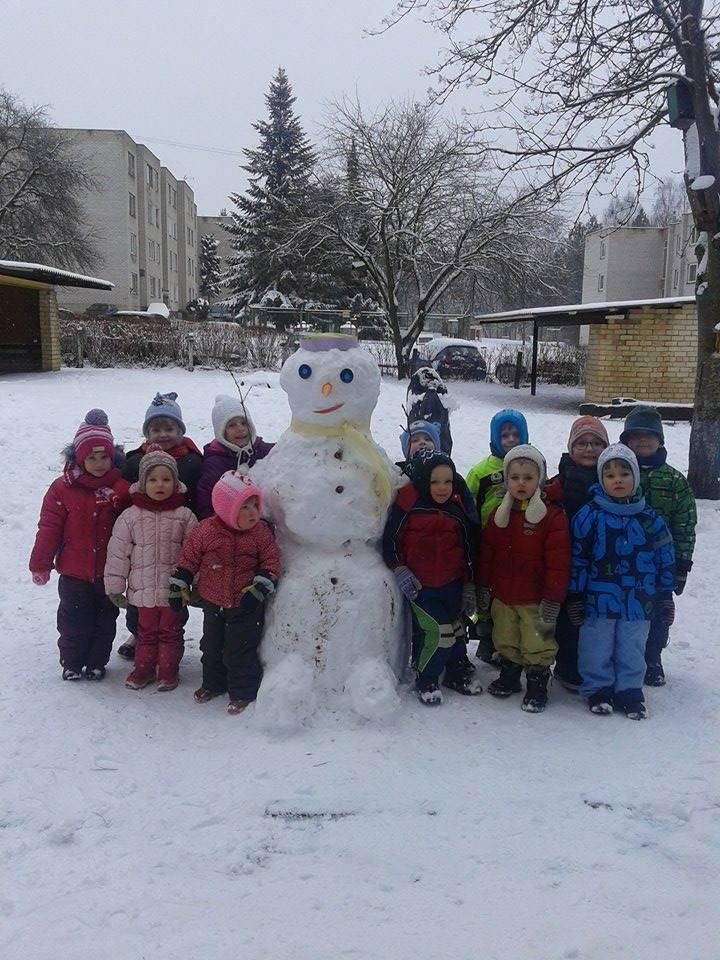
(326, 389)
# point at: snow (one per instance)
(55, 275)
(145, 825)
(703, 183)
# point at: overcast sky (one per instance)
(197, 73)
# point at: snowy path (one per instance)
(143, 825)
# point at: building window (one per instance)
(150, 213)
(691, 272)
(692, 239)
(603, 249)
(133, 283)
(157, 217)
(150, 172)
(151, 250)
(675, 279)
(133, 246)
(132, 210)
(601, 282)
(131, 164)
(678, 242)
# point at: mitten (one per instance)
(408, 583)
(179, 594)
(469, 599)
(40, 579)
(682, 569)
(483, 599)
(118, 599)
(576, 611)
(666, 610)
(548, 613)
(256, 593)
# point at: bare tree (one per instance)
(41, 185)
(670, 202)
(573, 90)
(417, 212)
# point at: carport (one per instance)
(29, 336)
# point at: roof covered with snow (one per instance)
(575, 313)
(43, 274)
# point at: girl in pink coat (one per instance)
(142, 553)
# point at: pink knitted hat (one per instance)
(230, 493)
(93, 434)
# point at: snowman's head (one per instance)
(331, 380)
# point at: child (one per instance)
(622, 578)
(427, 399)
(523, 570)
(236, 444)
(237, 563)
(163, 426)
(571, 490)
(428, 544)
(425, 435)
(667, 491)
(141, 556)
(76, 519)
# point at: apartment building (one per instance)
(138, 234)
(633, 263)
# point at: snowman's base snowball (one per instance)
(371, 690)
(286, 698)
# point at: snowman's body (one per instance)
(334, 629)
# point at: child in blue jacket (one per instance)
(621, 577)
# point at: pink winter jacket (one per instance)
(143, 549)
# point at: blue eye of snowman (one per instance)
(346, 375)
(304, 371)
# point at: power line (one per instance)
(194, 146)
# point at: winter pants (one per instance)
(230, 641)
(567, 636)
(131, 618)
(517, 635)
(611, 656)
(85, 622)
(159, 646)
(438, 636)
(657, 641)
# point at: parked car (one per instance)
(373, 333)
(96, 310)
(456, 359)
(219, 311)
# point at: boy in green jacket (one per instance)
(667, 491)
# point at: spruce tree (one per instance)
(210, 268)
(279, 169)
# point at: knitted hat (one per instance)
(587, 425)
(424, 464)
(93, 434)
(230, 493)
(643, 418)
(427, 427)
(536, 509)
(496, 424)
(226, 409)
(618, 451)
(163, 405)
(156, 457)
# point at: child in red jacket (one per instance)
(237, 563)
(523, 570)
(427, 543)
(76, 520)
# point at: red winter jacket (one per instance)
(76, 520)
(435, 542)
(525, 562)
(226, 560)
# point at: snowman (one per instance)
(334, 630)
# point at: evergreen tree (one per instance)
(279, 169)
(641, 218)
(210, 269)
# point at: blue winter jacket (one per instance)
(623, 559)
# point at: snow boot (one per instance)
(165, 686)
(69, 673)
(431, 695)
(509, 680)
(601, 702)
(635, 710)
(237, 706)
(126, 650)
(466, 684)
(203, 695)
(571, 683)
(535, 699)
(654, 674)
(135, 681)
(94, 673)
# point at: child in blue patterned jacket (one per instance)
(621, 577)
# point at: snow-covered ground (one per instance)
(142, 825)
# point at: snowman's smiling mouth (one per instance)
(330, 409)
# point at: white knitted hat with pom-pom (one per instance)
(535, 510)
(226, 409)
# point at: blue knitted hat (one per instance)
(506, 416)
(164, 405)
(427, 427)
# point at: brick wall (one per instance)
(49, 331)
(651, 354)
